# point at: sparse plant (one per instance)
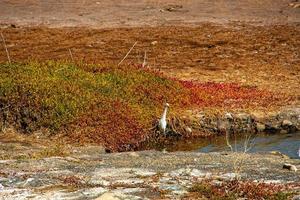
(235, 189)
(50, 151)
(240, 156)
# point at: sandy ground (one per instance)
(118, 13)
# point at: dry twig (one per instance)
(7, 53)
(145, 58)
(71, 55)
(127, 53)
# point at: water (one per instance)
(288, 144)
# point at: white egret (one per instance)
(163, 120)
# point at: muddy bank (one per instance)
(87, 173)
(206, 123)
(284, 121)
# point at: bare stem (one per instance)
(7, 53)
(127, 53)
(71, 55)
(145, 58)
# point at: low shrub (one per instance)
(113, 105)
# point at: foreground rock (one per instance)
(134, 175)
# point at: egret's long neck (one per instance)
(164, 115)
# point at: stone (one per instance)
(180, 192)
(283, 131)
(28, 182)
(243, 116)
(287, 123)
(93, 192)
(198, 173)
(144, 172)
(99, 181)
(229, 116)
(154, 43)
(108, 196)
(130, 181)
(260, 127)
(273, 181)
(229, 176)
(277, 153)
(258, 116)
(289, 167)
(129, 190)
(297, 197)
(134, 154)
(188, 129)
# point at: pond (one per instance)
(288, 144)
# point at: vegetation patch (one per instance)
(110, 105)
(241, 189)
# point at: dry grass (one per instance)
(257, 56)
(231, 190)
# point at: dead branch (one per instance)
(7, 53)
(127, 53)
(71, 55)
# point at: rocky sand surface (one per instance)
(90, 173)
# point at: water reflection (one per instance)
(288, 144)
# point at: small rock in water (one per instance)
(284, 132)
(290, 167)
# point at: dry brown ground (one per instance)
(253, 42)
(120, 13)
(263, 56)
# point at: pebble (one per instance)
(154, 43)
